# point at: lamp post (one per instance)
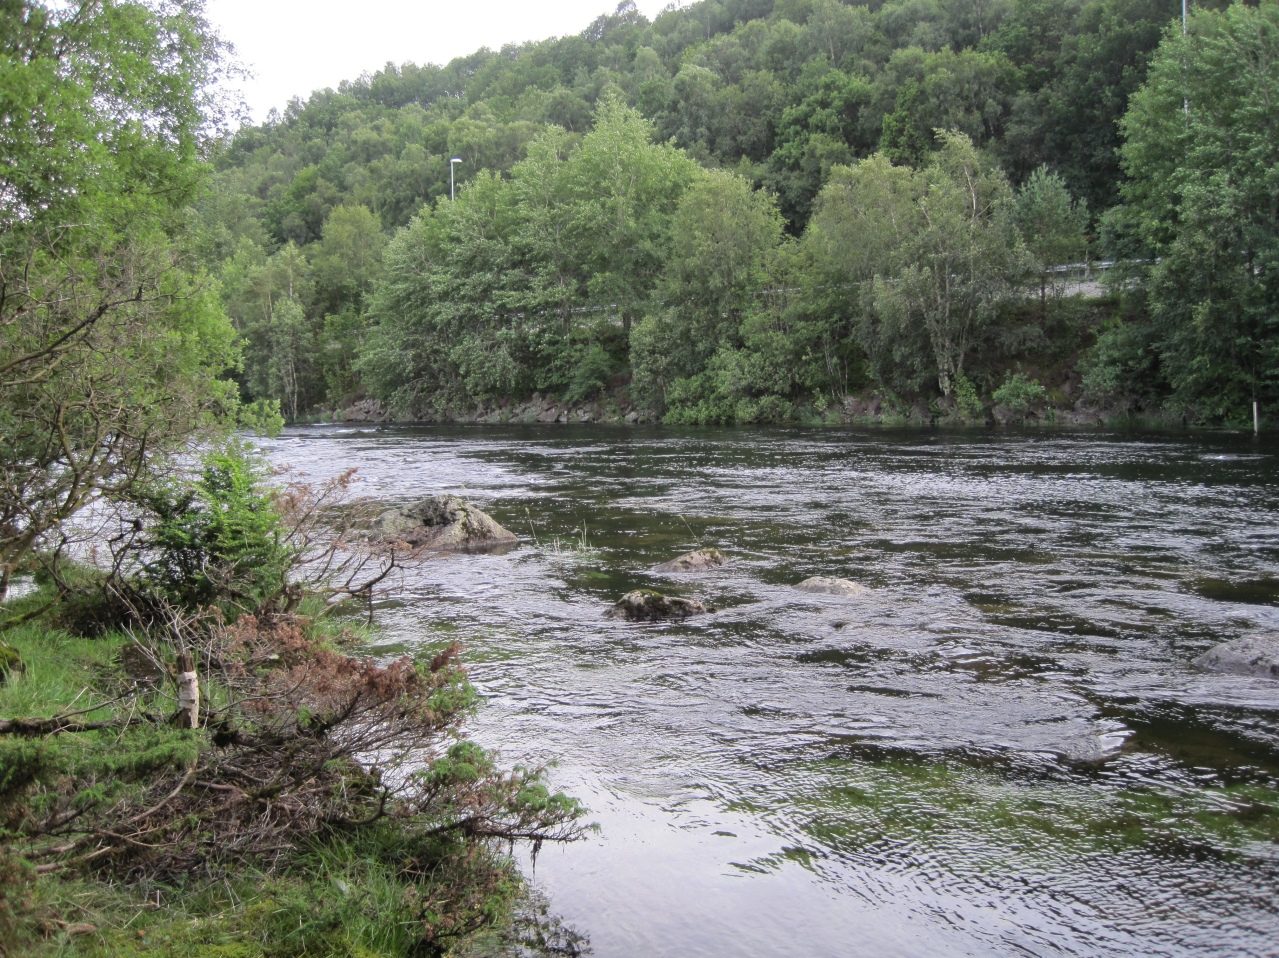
(452, 166)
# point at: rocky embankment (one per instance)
(538, 409)
(867, 409)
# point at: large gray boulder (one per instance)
(697, 561)
(644, 605)
(445, 524)
(827, 585)
(1251, 655)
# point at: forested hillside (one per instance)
(751, 211)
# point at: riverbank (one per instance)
(200, 755)
(867, 409)
(128, 835)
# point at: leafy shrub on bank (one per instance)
(309, 768)
(1020, 395)
(218, 541)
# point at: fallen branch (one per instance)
(34, 727)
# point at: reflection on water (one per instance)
(1002, 749)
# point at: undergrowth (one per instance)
(313, 802)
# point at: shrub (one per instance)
(217, 542)
(1019, 395)
(967, 403)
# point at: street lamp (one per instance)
(452, 166)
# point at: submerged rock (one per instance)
(698, 560)
(443, 523)
(831, 586)
(644, 605)
(1251, 655)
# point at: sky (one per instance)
(294, 47)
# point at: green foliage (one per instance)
(576, 207)
(1201, 154)
(262, 416)
(1122, 367)
(113, 346)
(218, 541)
(968, 405)
(930, 255)
(1020, 395)
(1052, 223)
(592, 369)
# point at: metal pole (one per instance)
(452, 166)
(1185, 100)
(1256, 419)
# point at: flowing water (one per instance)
(1002, 749)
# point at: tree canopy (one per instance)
(113, 341)
(1201, 152)
(619, 191)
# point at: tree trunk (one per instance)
(188, 692)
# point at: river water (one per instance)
(1002, 749)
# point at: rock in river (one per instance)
(644, 605)
(1251, 655)
(697, 561)
(832, 586)
(444, 523)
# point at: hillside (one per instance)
(726, 111)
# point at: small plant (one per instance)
(967, 403)
(218, 541)
(1020, 395)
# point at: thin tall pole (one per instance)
(1185, 100)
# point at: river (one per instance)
(1003, 749)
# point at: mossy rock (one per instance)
(10, 662)
(699, 560)
(645, 605)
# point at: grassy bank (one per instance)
(325, 805)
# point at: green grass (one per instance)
(60, 672)
(377, 892)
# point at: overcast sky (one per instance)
(294, 47)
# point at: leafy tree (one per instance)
(112, 343)
(217, 540)
(927, 257)
(347, 259)
(1202, 156)
(962, 261)
(623, 189)
(722, 234)
(1052, 224)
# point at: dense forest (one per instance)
(750, 210)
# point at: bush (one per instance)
(591, 373)
(1020, 395)
(967, 403)
(217, 542)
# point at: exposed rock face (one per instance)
(697, 561)
(643, 605)
(831, 586)
(366, 410)
(443, 523)
(1251, 655)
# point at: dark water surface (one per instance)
(1003, 750)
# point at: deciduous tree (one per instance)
(111, 344)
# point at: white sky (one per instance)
(294, 47)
